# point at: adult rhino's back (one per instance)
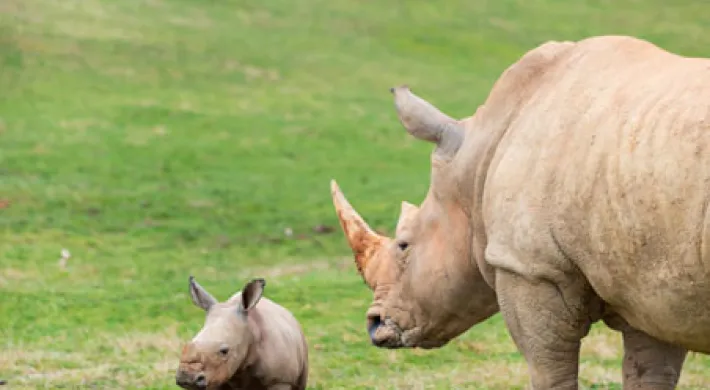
(607, 165)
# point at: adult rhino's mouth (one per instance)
(384, 333)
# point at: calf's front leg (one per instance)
(281, 386)
(547, 322)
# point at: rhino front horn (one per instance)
(363, 241)
(426, 122)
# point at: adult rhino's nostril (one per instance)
(201, 381)
(373, 323)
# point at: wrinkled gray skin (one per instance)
(247, 342)
(577, 192)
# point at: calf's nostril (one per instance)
(180, 379)
(200, 380)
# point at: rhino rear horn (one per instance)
(426, 122)
(362, 239)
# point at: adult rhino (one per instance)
(577, 192)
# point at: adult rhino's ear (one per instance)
(426, 122)
(251, 293)
(200, 297)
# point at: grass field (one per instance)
(154, 139)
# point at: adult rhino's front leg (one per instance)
(547, 322)
(649, 364)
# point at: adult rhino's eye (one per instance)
(224, 351)
(402, 245)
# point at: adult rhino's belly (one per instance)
(672, 308)
(649, 264)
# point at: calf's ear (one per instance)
(251, 293)
(200, 297)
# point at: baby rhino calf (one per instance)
(247, 342)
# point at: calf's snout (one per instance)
(191, 381)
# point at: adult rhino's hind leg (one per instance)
(649, 364)
(547, 323)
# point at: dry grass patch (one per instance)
(493, 374)
(101, 375)
(295, 269)
(9, 275)
(25, 362)
(167, 343)
(602, 344)
(602, 354)
(106, 360)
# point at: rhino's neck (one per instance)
(485, 133)
(246, 376)
(470, 170)
(255, 322)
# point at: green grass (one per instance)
(155, 139)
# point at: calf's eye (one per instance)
(224, 351)
(402, 245)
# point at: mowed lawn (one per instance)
(157, 139)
